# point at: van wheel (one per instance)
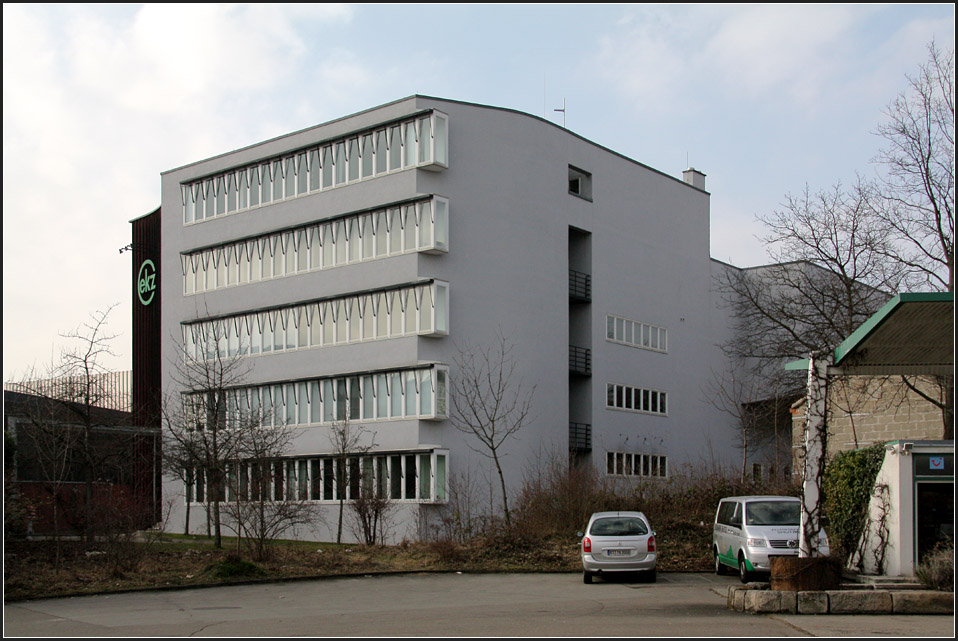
(720, 568)
(743, 572)
(587, 578)
(649, 576)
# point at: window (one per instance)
(418, 393)
(420, 309)
(636, 334)
(636, 399)
(636, 464)
(580, 183)
(420, 141)
(420, 225)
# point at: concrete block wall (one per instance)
(866, 410)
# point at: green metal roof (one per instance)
(911, 334)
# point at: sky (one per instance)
(98, 100)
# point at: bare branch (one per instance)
(915, 197)
(489, 401)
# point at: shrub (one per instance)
(937, 569)
(557, 500)
(233, 567)
(848, 484)
(448, 551)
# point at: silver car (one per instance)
(618, 542)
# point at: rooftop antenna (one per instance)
(563, 113)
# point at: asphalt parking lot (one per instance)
(679, 604)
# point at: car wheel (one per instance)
(720, 568)
(743, 572)
(587, 578)
(650, 576)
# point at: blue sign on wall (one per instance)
(934, 464)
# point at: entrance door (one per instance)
(936, 515)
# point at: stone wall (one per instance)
(865, 410)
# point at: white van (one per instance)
(749, 530)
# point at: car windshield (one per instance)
(773, 513)
(619, 526)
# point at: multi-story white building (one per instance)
(352, 261)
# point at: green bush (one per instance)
(848, 484)
(937, 569)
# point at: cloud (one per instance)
(171, 57)
(97, 101)
(743, 53)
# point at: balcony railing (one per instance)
(580, 437)
(580, 360)
(580, 286)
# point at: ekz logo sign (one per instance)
(146, 282)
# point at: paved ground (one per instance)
(441, 605)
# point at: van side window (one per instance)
(726, 512)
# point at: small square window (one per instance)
(580, 183)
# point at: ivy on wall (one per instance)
(848, 485)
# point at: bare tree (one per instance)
(219, 442)
(82, 368)
(460, 519)
(490, 402)
(755, 395)
(46, 449)
(349, 442)
(69, 420)
(830, 274)
(204, 431)
(842, 252)
(180, 449)
(371, 509)
(915, 195)
(270, 494)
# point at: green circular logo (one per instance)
(146, 282)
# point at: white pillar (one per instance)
(814, 460)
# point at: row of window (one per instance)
(636, 399)
(416, 142)
(411, 227)
(631, 464)
(401, 477)
(419, 393)
(421, 309)
(636, 334)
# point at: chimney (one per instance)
(694, 177)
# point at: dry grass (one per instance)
(542, 538)
(30, 570)
(937, 570)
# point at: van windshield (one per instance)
(773, 513)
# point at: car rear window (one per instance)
(773, 513)
(619, 526)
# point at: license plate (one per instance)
(618, 552)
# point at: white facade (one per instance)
(353, 260)
(913, 499)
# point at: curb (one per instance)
(757, 600)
